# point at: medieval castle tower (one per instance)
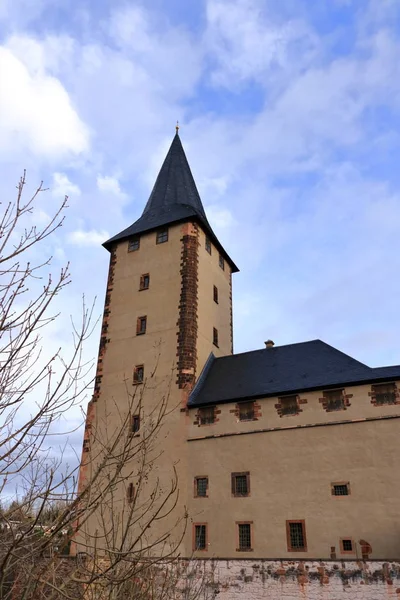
(283, 452)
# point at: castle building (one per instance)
(284, 452)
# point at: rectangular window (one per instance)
(206, 415)
(246, 411)
(200, 487)
(215, 337)
(162, 236)
(346, 546)
(135, 423)
(208, 245)
(215, 294)
(244, 536)
(340, 489)
(141, 325)
(138, 374)
(384, 393)
(144, 282)
(296, 536)
(130, 493)
(200, 536)
(221, 262)
(289, 405)
(334, 400)
(134, 244)
(240, 484)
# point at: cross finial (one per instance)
(177, 126)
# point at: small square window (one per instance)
(130, 493)
(289, 405)
(384, 393)
(162, 236)
(244, 537)
(222, 262)
(208, 245)
(200, 536)
(141, 325)
(334, 400)
(296, 536)
(240, 484)
(215, 337)
(144, 282)
(340, 489)
(215, 294)
(206, 415)
(138, 374)
(135, 423)
(346, 545)
(200, 487)
(134, 244)
(246, 411)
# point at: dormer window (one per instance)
(134, 244)
(162, 236)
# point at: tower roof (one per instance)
(174, 199)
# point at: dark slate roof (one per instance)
(282, 370)
(174, 199)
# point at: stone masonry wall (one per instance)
(297, 580)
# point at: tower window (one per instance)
(296, 536)
(134, 244)
(340, 489)
(246, 411)
(206, 415)
(138, 374)
(334, 400)
(244, 537)
(130, 493)
(162, 236)
(135, 423)
(141, 325)
(200, 536)
(215, 337)
(384, 393)
(346, 546)
(215, 294)
(144, 282)
(222, 262)
(289, 405)
(240, 484)
(208, 245)
(200, 487)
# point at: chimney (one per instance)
(269, 344)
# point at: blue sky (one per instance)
(289, 114)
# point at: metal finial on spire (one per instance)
(177, 126)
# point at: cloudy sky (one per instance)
(289, 113)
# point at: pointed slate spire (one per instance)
(174, 199)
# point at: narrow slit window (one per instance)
(215, 294)
(222, 262)
(296, 536)
(244, 535)
(201, 487)
(130, 493)
(240, 484)
(135, 424)
(134, 244)
(246, 411)
(162, 236)
(141, 325)
(208, 245)
(215, 337)
(138, 374)
(144, 282)
(200, 537)
(206, 415)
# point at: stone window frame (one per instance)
(139, 325)
(134, 244)
(215, 337)
(353, 546)
(221, 262)
(280, 408)
(373, 394)
(137, 378)
(197, 421)
(257, 411)
(130, 493)
(208, 246)
(194, 548)
(238, 547)
(162, 235)
(215, 294)
(144, 282)
(234, 492)
(345, 400)
(291, 548)
(195, 494)
(341, 483)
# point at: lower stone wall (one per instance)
(308, 580)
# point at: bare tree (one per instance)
(116, 557)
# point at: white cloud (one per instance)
(220, 217)
(62, 186)
(88, 238)
(109, 185)
(36, 113)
